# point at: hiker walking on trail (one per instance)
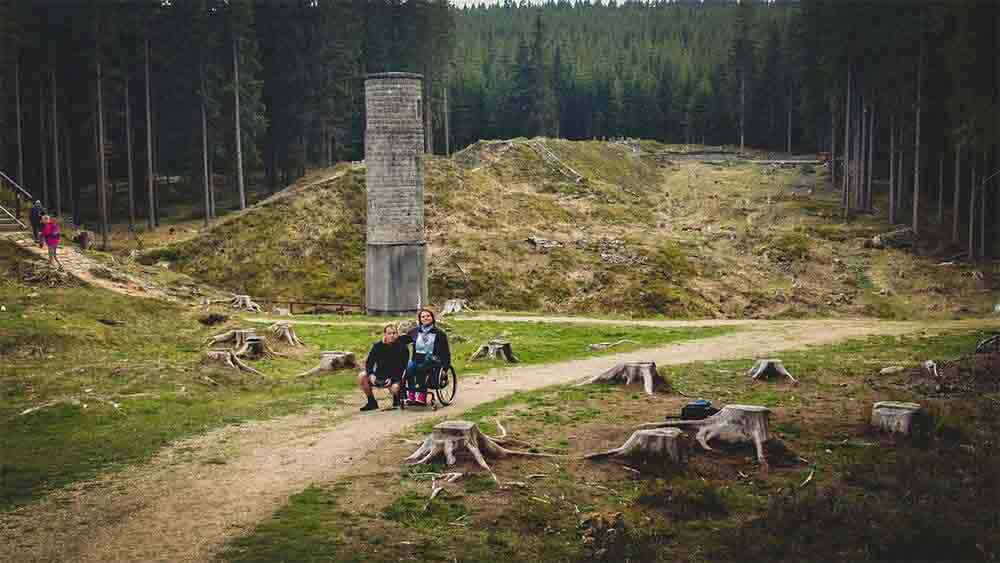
(35, 218)
(384, 367)
(51, 234)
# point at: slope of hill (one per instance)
(608, 227)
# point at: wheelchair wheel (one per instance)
(446, 393)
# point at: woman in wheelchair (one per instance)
(384, 367)
(431, 354)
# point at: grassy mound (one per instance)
(642, 229)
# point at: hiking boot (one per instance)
(371, 405)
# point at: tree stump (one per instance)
(495, 350)
(236, 339)
(451, 436)
(766, 369)
(453, 306)
(256, 348)
(654, 443)
(893, 417)
(332, 361)
(733, 424)
(630, 373)
(286, 333)
(226, 358)
(245, 303)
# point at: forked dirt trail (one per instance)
(195, 495)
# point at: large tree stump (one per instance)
(629, 374)
(453, 306)
(766, 369)
(895, 418)
(495, 350)
(256, 348)
(235, 339)
(733, 424)
(654, 443)
(285, 333)
(451, 436)
(245, 303)
(332, 361)
(226, 358)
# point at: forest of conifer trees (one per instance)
(902, 95)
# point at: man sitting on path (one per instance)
(384, 367)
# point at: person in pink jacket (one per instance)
(51, 234)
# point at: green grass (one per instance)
(921, 499)
(53, 348)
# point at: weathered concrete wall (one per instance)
(395, 272)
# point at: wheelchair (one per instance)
(442, 383)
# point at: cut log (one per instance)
(900, 238)
(452, 436)
(226, 358)
(605, 345)
(989, 346)
(733, 424)
(893, 417)
(631, 373)
(766, 369)
(453, 306)
(235, 339)
(332, 361)
(543, 245)
(245, 303)
(655, 443)
(495, 350)
(285, 333)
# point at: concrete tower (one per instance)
(396, 266)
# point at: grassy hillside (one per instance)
(642, 229)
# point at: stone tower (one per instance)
(396, 267)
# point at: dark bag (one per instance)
(698, 410)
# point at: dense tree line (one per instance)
(901, 94)
(189, 100)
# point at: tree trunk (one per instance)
(43, 151)
(972, 208)
(847, 144)
(128, 154)
(982, 204)
(743, 111)
(151, 212)
(916, 144)
(788, 144)
(239, 140)
(55, 145)
(71, 187)
(940, 213)
(871, 158)
(447, 124)
(956, 201)
(892, 169)
(19, 120)
(204, 151)
(102, 169)
(833, 146)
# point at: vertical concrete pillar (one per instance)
(396, 266)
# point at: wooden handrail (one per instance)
(17, 187)
(11, 215)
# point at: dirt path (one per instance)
(82, 267)
(195, 495)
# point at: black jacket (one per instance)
(35, 216)
(387, 361)
(441, 348)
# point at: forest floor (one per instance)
(200, 492)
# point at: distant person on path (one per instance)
(35, 218)
(51, 234)
(430, 352)
(384, 367)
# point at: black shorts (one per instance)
(386, 382)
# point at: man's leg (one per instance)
(395, 390)
(364, 381)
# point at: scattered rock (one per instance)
(892, 370)
(543, 245)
